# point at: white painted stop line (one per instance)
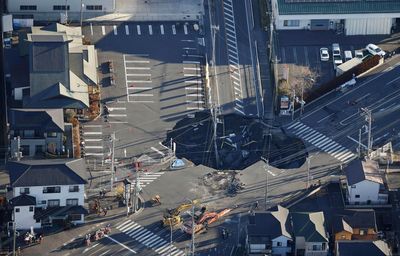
(150, 29)
(185, 29)
(138, 29)
(127, 30)
(103, 30)
(173, 30)
(162, 29)
(115, 30)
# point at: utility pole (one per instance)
(193, 229)
(18, 148)
(215, 119)
(14, 233)
(136, 191)
(293, 101)
(82, 5)
(368, 117)
(308, 172)
(359, 143)
(112, 159)
(266, 167)
(66, 12)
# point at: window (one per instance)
(357, 196)
(27, 7)
(316, 247)
(38, 149)
(47, 190)
(53, 203)
(279, 244)
(71, 202)
(31, 208)
(44, 202)
(24, 191)
(16, 209)
(291, 23)
(363, 232)
(73, 188)
(29, 133)
(51, 134)
(60, 7)
(94, 7)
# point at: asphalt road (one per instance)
(332, 123)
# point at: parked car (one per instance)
(359, 54)
(324, 54)
(337, 60)
(375, 50)
(347, 56)
(335, 49)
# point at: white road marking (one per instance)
(140, 88)
(116, 108)
(191, 62)
(173, 30)
(92, 140)
(138, 74)
(185, 29)
(92, 125)
(162, 29)
(141, 94)
(94, 154)
(194, 88)
(116, 115)
(142, 101)
(127, 30)
(87, 147)
(137, 61)
(91, 29)
(191, 68)
(103, 30)
(87, 249)
(115, 241)
(150, 29)
(138, 68)
(138, 81)
(115, 30)
(92, 133)
(138, 29)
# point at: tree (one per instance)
(300, 79)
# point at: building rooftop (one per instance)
(47, 172)
(296, 7)
(359, 170)
(48, 120)
(270, 224)
(351, 219)
(23, 200)
(311, 226)
(362, 247)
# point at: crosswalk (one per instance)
(149, 239)
(321, 141)
(147, 178)
(142, 29)
(93, 140)
(117, 112)
(233, 55)
(193, 77)
(138, 78)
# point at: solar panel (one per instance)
(324, 1)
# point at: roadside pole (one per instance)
(368, 117)
(14, 238)
(266, 168)
(112, 159)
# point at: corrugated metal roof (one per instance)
(390, 6)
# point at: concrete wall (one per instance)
(64, 194)
(368, 26)
(24, 218)
(367, 190)
(310, 252)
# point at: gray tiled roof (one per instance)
(346, 7)
(46, 172)
(23, 200)
(364, 218)
(362, 247)
(359, 170)
(47, 120)
(311, 226)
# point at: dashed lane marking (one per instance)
(115, 30)
(103, 30)
(138, 29)
(162, 29)
(127, 30)
(150, 29)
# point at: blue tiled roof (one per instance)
(356, 7)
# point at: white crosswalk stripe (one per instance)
(321, 141)
(149, 239)
(147, 178)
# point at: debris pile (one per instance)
(223, 180)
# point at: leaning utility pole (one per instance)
(368, 117)
(215, 126)
(266, 167)
(193, 227)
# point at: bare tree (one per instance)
(300, 79)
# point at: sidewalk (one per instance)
(154, 10)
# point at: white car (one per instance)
(359, 54)
(375, 50)
(323, 52)
(336, 49)
(337, 60)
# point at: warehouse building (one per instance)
(350, 17)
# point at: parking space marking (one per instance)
(162, 29)
(185, 29)
(150, 29)
(115, 30)
(173, 29)
(138, 30)
(103, 30)
(127, 30)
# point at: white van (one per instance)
(347, 55)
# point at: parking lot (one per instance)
(301, 48)
(157, 73)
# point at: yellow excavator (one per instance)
(172, 217)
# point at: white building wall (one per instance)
(64, 194)
(367, 190)
(310, 252)
(283, 249)
(24, 218)
(368, 26)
